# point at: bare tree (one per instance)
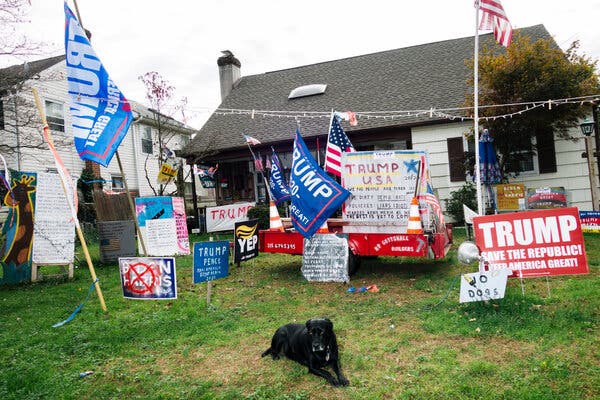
(159, 93)
(13, 15)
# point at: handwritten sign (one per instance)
(482, 286)
(325, 258)
(211, 261)
(54, 228)
(116, 239)
(510, 197)
(533, 243)
(382, 184)
(183, 242)
(223, 218)
(148, 278)
(161, 237)
(246, 240)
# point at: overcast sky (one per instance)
(182, 39)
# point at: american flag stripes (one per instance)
(337, 143)
(251, 140)
(495, 18)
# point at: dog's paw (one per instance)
(343, 382)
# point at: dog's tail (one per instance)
(267, 352)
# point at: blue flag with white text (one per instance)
(100, 113)
(277, 183)
(315, 195)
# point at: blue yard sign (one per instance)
(211, 261)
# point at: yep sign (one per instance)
(246, 240)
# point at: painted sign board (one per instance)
(223, 218)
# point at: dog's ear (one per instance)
(329, 323)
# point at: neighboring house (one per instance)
(22, 145)
(423, 77)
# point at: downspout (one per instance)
(135, 121)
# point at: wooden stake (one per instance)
(71, 206)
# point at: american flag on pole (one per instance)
(251, 140)
(337, 143)
(494, 17)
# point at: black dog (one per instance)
(313, 344)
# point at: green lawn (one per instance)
(412, 340)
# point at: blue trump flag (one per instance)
(277, 183)
(315, 196)
(100, 113)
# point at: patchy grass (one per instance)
(412, 340)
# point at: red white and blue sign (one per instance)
(211, 261)
(315, 195)
(148, 278)
(100, 113)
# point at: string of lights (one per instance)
(450, 113)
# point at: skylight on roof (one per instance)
(307, 90)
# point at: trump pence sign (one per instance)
(534, 243)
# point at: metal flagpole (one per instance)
(476, 109)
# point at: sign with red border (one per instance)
(533, 243)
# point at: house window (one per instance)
(456, 159)
(117, 183)
(546, 153)
(146, 140)
(185, 140)
(55, 116)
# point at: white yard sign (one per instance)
(480, 286)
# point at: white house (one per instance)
(22, 146)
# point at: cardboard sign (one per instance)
(246, 240)
(117, 239)
(148, 278)
(510, 197)
(482, 286)
(382, 184)
(533, 243)
(590, 221)
(325, 258)
(211, 261)
(546, 197)
(223, 218)
(161, 237)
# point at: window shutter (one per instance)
(545, 151)
(456, 158)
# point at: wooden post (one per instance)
(71, 206)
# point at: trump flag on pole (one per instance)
(100, 113)
(315, 196)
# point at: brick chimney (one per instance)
(229, 72)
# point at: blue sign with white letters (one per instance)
(211, 261)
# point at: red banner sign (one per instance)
(534, 243)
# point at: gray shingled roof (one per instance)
(410, 78)
(14, 74)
